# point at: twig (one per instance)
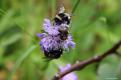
(81, 65)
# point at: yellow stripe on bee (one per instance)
(58, 17)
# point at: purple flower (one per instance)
(70, 76)
(51, 30)
(51, 43)
(42, 35)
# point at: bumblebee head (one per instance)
(61, 9)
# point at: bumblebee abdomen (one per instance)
(63, 35)
(53, 54)
(66, 20)
(57, 21)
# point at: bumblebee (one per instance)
(62, 17)
(63, 20)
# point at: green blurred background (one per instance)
(95, 26)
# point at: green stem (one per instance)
(75, 6)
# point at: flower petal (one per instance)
(47, 22)
(70, 38)
(68, 44)
(62, 69)
(71, 44)
(42, 35)
(47, 25)
(53, 31)
(70, 76)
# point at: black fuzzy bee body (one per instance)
(63, 35)
(62, 18)
(63, 32)
(53, 54)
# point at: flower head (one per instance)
(70, 76)
(53, 41)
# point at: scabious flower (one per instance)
(51, 43)
(70, 76)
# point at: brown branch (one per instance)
(81, 65)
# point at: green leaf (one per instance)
(21, 59)
(5, 41)
(6, 20)
(108, 70)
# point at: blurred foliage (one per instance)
(95, 26)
